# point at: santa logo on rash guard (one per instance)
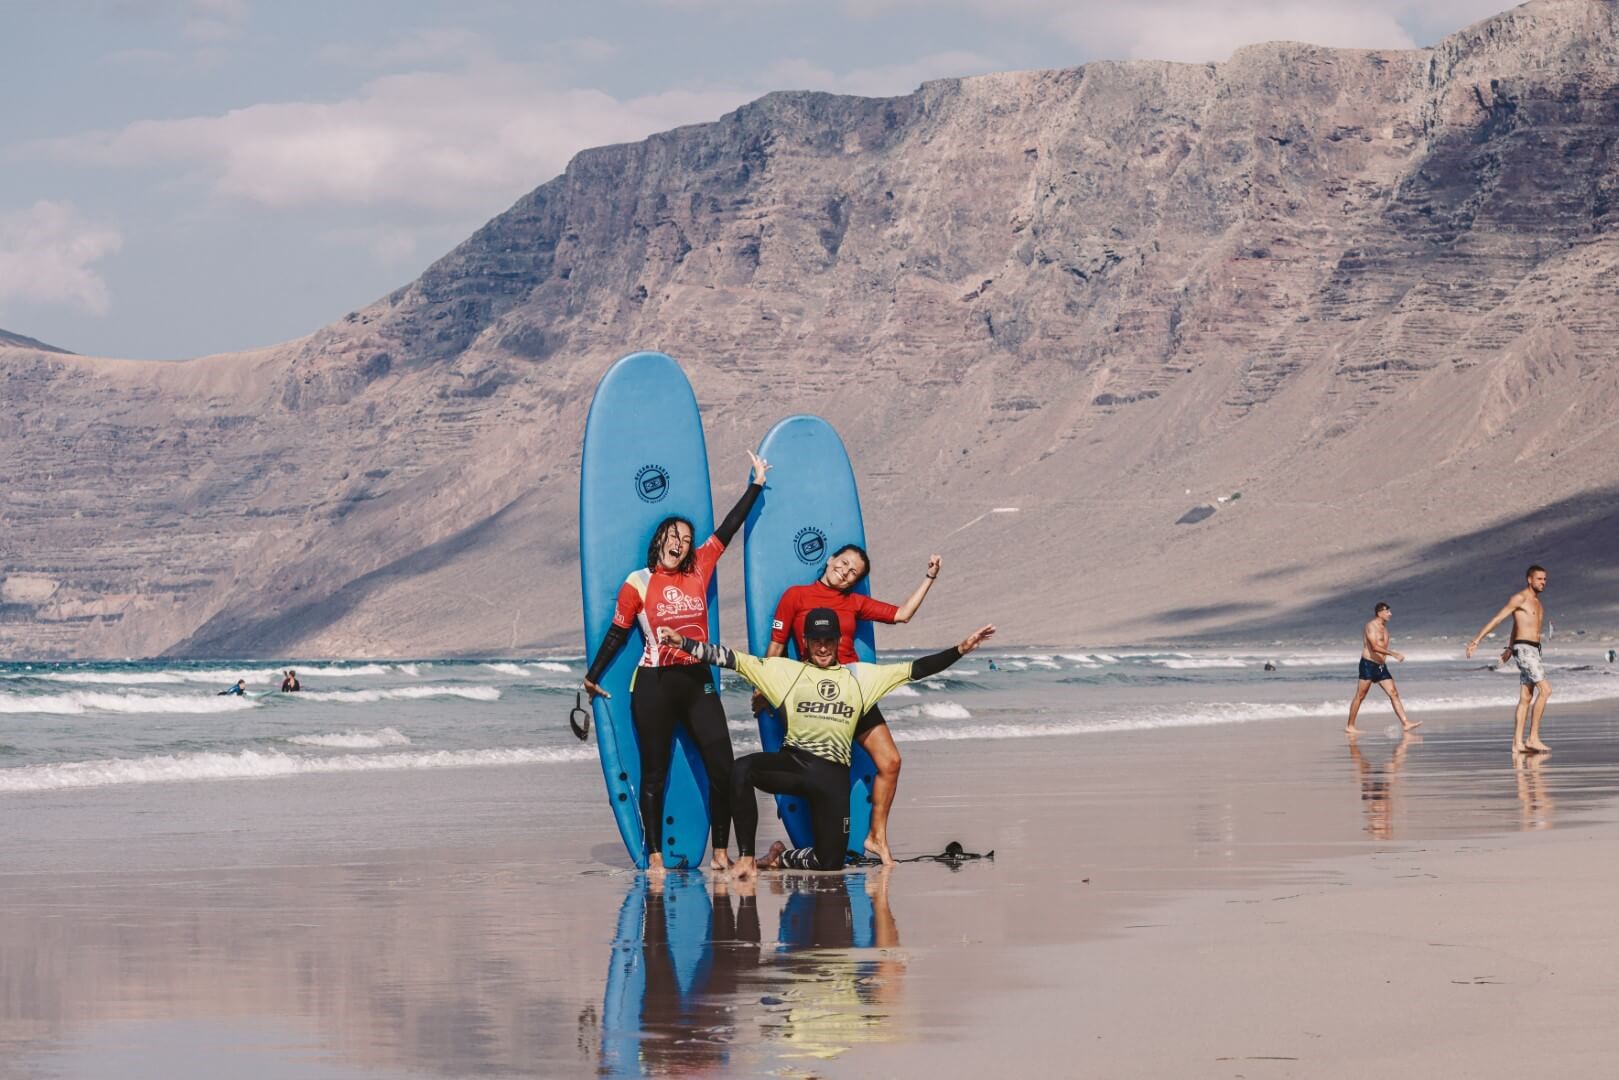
(677, 602)
(827, 689)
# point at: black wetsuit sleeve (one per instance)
(933, 663)
(614, 641)
(739, 513)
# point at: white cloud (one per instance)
(436, 140)
(425, 47)
(47, 254)
(1202, 30)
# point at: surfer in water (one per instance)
(846, 569)
(239, 690)
(290, 684)
(670, 688)
(823, 701)
(1527, 617)
(1374, 668)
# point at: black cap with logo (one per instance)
(821, 624)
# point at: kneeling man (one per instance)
(822, 701)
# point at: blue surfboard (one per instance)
(644, 459)
(810, 508)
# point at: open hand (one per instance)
(760, 467)
(1472, 647)
(595, 691)
(975, 639)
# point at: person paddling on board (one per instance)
(239, 690)
(670, 688)
(846, 569)
(823, 701)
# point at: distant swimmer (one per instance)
(239, 690)
(1270, 665)
(1527, 618)
(1374, 668)
(994, 667)
(289, 685)
(823, 702)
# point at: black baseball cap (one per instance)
(821, 624)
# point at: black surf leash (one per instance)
(952, 856)
(579, 717)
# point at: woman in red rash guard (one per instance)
(671, 688)
(847, 568)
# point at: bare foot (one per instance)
(655, 870)
(1411, 726)
(1351, 731)
(1535, 746)
(1518, 748)
(743, 869)
(877, 848)
(721, 861)
(772, 857)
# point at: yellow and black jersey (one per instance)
(821, 705)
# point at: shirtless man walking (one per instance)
(1374, 668)
(1533, 689)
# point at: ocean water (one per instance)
(98, 725)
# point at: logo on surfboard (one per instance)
(652, 483)
(810, 545)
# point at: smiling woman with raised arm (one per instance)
(847, 568)
(823, 700)
(671, 688)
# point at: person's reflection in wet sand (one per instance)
(839, 943)
(1377, 784)
(1534, 805)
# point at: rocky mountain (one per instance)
(18, 341)
(1357, 305)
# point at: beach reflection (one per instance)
(1378, 784)
(693, 986)
(1535, 806)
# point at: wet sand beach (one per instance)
(1262, 899)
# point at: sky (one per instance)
(186, 177)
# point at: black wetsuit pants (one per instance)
(791, 771)
(664, 699)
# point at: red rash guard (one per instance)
(797, 602)
(657, 598)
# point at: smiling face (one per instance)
(823, 652)
(844, 571)
(676, 543)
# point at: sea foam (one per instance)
(262, 764)
(77, 702)
(354, 740)
(402, 693)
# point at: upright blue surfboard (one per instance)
(644, 459)
(810, 508)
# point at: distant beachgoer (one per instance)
(994, 667)
(239, 690)
(1374, 668)
(823, 701)
(289, 685)
(1612, 656)
(1270, 666)
(1533, 689)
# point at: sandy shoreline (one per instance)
(1224, 900)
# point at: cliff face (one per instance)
(1372, 292)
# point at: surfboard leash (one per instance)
(952, 856)
(579, 717)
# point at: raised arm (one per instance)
(932, 664)
(909, 608)
(1500, 616)
(744, 506)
